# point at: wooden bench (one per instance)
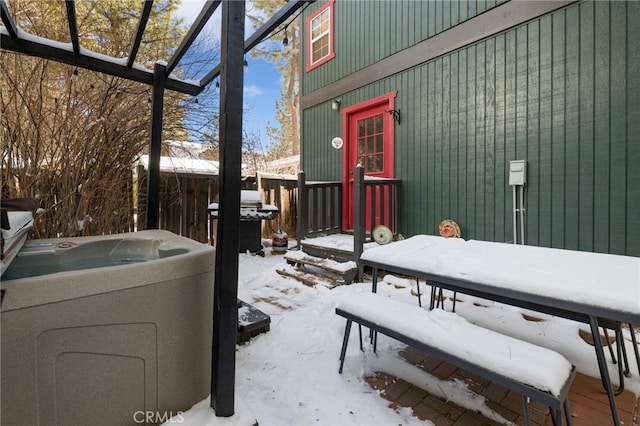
(530, 370)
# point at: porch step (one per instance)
(338, 247)
(306, 278)
(344, 272)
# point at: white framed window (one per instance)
(320, 36)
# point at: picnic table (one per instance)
(583, 286)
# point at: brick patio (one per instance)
(588, 401)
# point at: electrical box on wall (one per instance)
(517, 172)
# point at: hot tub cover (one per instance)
(16, 221)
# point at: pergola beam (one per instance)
(73, 26)
(7, 20)
(194, 31)
(287, 10)
(281, 15)
(142, 25)
(94, 62)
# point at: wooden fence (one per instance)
(282, 192)
(185, 197)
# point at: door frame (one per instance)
(389, 100)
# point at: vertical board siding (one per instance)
(601, 120)
(544, 110)
(397, 24)
(558, 133)
(326, 162)
(499, 214)
(586, 134)
(532, 129)
(561, 92)
(618, 129)
(421, 168)
(571, 125)
(632, 112)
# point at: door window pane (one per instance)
(379, 163)
(371, 143)
(370, 165)
(370, 126)
(370, 149)
(379, 143)
(378, 120)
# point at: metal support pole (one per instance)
(374, 281)
(521, 188)
(634, 342)
(374, 289)
(155, 147)
(359, 218)
(604, 371)
(345, 341)
(525, 410)
(515, 216)
(225, 310)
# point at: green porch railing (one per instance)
(320, 209)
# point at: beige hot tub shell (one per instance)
(106, 346)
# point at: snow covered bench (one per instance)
(532, 371)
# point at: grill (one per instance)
(252, 213)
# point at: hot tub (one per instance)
(109, 330)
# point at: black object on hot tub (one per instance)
(252, 213)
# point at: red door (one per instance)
(368, 135)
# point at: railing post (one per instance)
(359, 219)
(374, 201)
(338, 210)
(303, 208)
(396, 189)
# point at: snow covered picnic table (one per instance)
(577, 285)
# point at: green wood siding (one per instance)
(397, 25)
(323, 161)
(562, 92)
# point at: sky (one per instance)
(289, 375)
(262, 82)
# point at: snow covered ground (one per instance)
(289, 376)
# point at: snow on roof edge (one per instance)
(183, 165)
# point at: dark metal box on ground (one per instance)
(251, 322)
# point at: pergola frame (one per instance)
(230, 70)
